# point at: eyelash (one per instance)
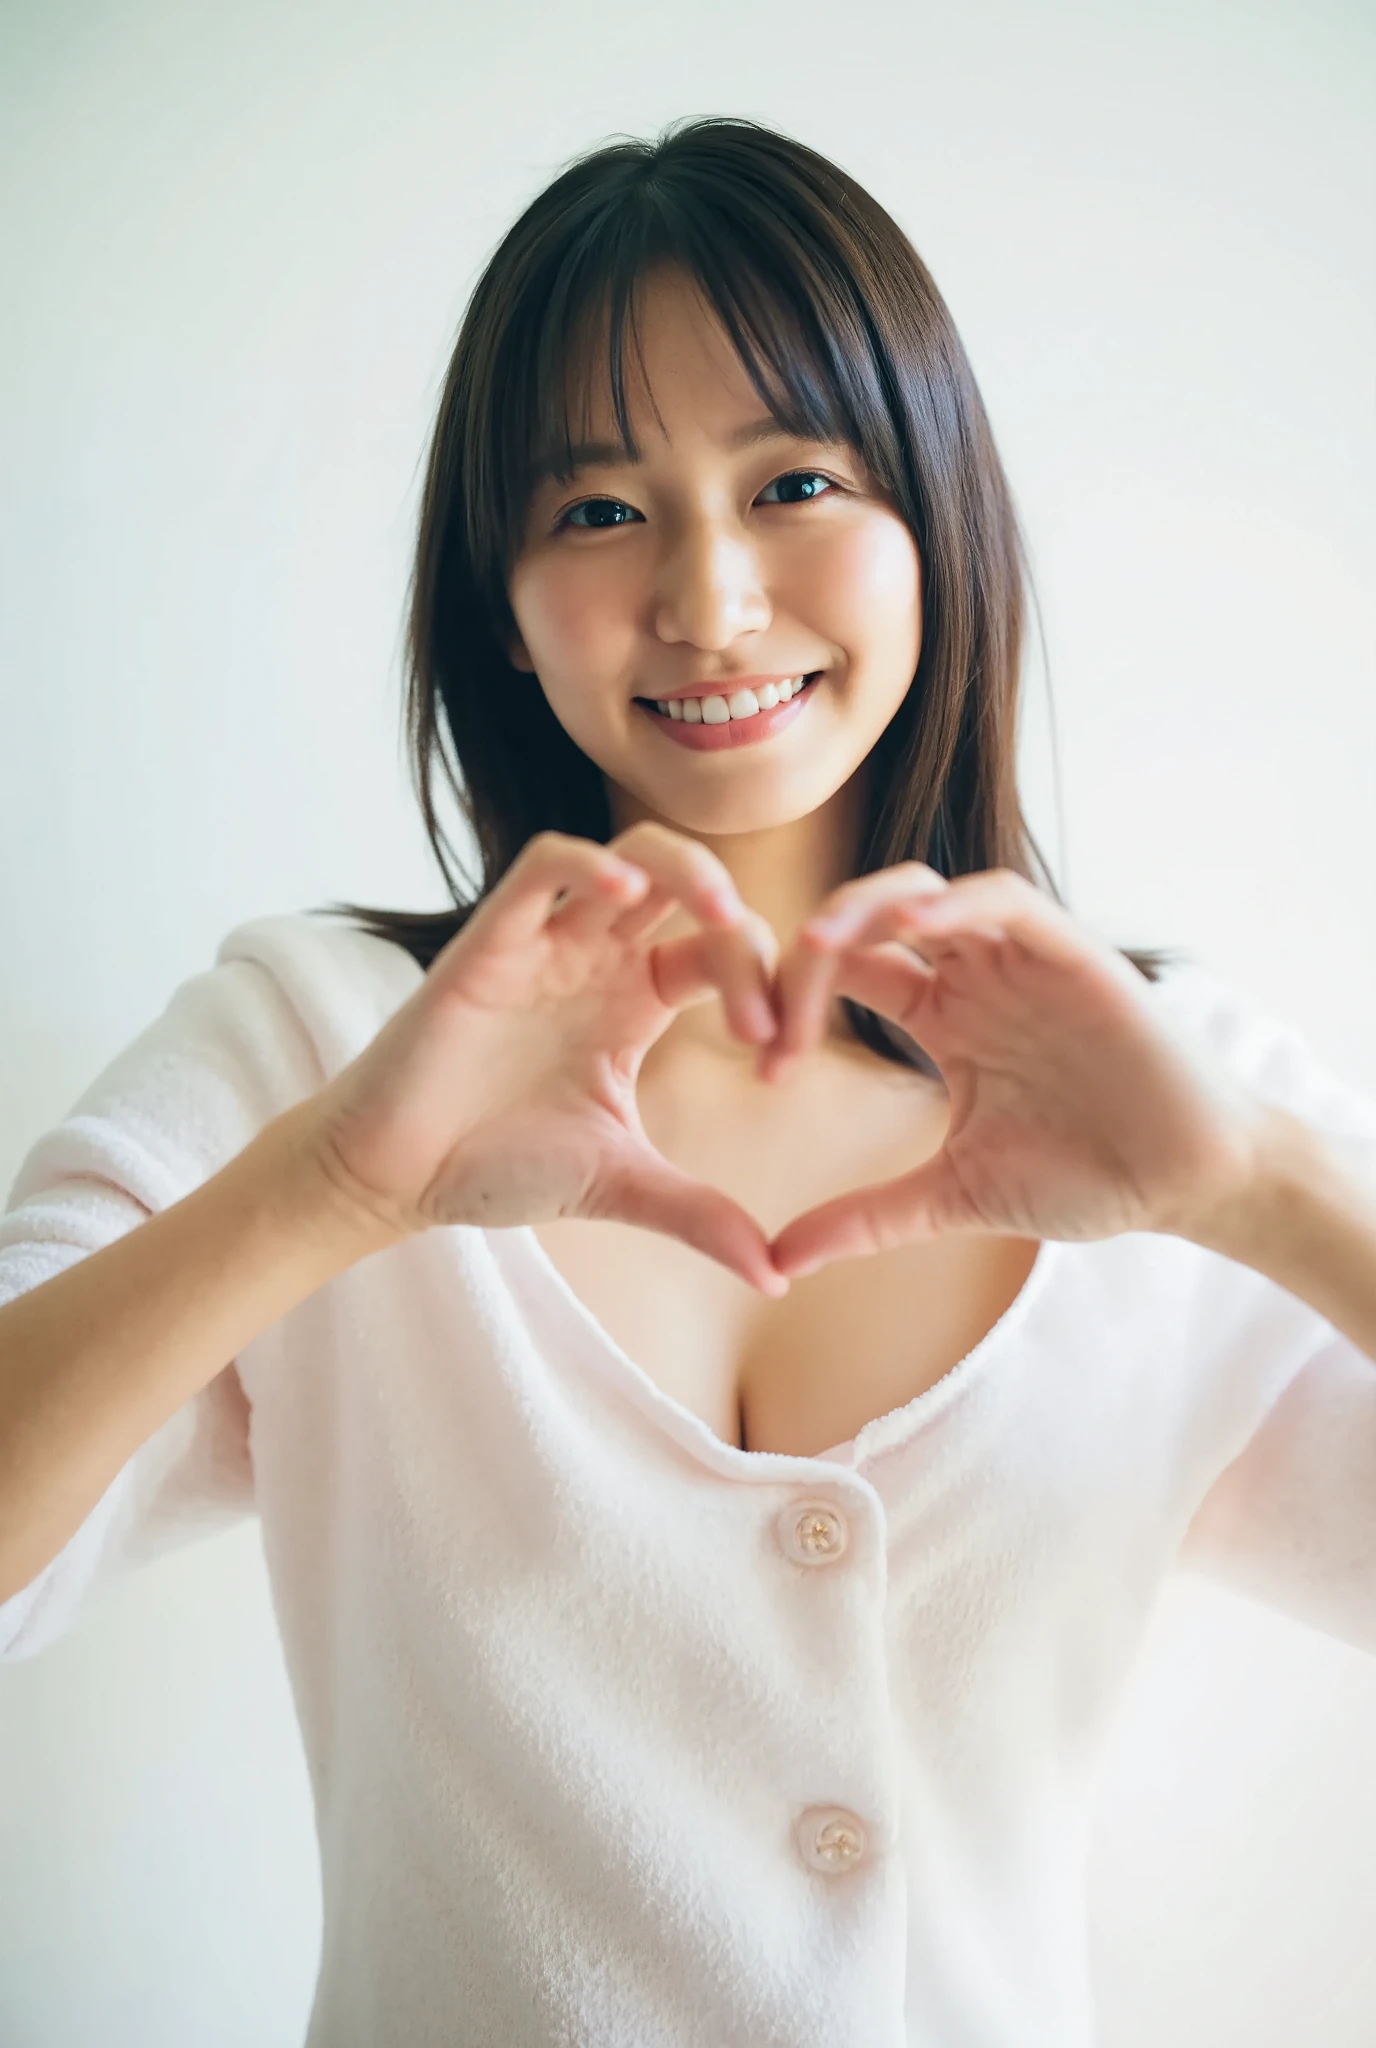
(565, 518)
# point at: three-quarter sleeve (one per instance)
(1290, 1519)
(229, 1053)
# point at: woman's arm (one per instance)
(95, 1359)
(1084, 1104)
(1303, 1221)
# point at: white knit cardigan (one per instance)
(620, 1736)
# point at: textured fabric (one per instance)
(620, 1736)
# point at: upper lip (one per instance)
(723, 686)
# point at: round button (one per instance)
(813, 1531)
(831, 1838)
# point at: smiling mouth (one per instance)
(729, 707)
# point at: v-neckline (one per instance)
(878, 1434)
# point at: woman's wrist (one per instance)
(1301, 1219)
(292, 1169)
(1255, 1217)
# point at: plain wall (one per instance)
(237, 241)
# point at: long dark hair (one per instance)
(845, 337)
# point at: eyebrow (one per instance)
(608, 454)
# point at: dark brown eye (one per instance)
(600, 512)
(797, 487)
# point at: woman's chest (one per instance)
(851, 1342)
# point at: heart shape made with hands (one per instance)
(1076, 1112)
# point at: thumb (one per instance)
(647, 1191)
(921, 1204)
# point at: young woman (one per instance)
(728, 1329)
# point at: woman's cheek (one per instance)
(576, 625)
(867, 580)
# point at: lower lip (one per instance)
(737, 732)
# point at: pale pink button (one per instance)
(831, 1838)
(812, 1531)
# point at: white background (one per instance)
(237, 243)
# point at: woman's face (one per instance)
(731, 558)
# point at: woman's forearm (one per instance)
(1308, 1224)
(95, 1359)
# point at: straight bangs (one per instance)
(783, 297)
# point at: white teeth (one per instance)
(741, 704)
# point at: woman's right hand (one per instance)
(503, 1092)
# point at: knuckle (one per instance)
(652, 845)
(694, 865)
(646, 830)
(711, 871)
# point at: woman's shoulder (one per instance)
(287, 1001)
(342, 982)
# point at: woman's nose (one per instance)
(710, 590)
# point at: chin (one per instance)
(729, 813)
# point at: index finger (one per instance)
(910, 901)
(682, 871)
(1014, 908)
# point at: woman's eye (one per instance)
(797, 487)
(599, 512)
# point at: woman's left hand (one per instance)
(1074, 1112)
